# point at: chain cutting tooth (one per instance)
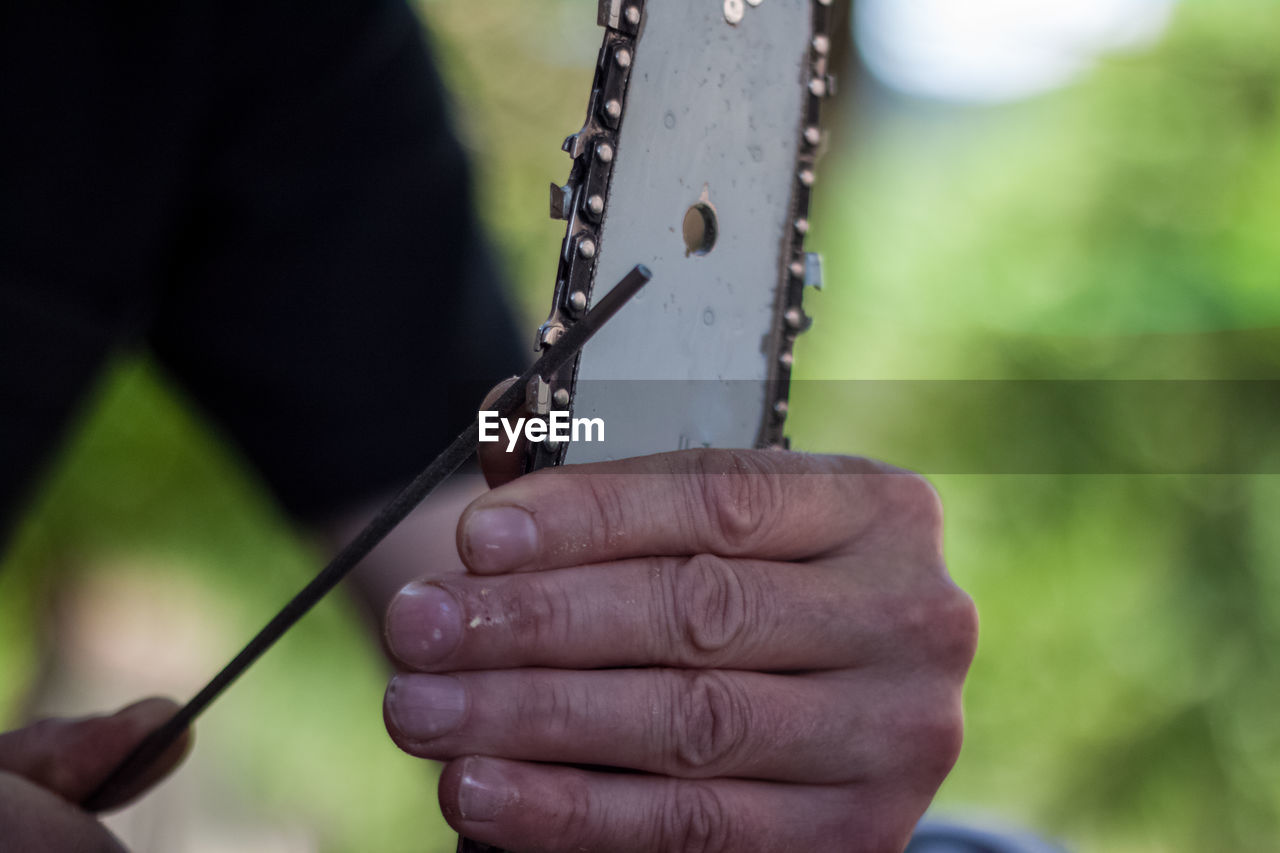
(561, 201)
(549, 334)
(813, 274)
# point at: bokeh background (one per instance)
(1029, 192)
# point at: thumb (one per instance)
(498, 465)
(71, 757)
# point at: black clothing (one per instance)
(267, 195)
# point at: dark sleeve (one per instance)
(337, 310)
(269, 195)
(96, 127)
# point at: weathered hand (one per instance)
(770, 639)
(50, 766)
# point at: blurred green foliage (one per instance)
(1129, 671)
(1124, 691)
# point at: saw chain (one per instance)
(696, 159)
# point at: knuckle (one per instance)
(917, 624)
(906, 503)
(905, 516)
(942, 625)
(695, 821)
(914, 501)
(936, 738)
(539, 614)
(709, 604)
(739, 496)
(576, 820)
(608, 503)
(959, 637)
(545, 706)
(710, 721)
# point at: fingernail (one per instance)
(424, 625)
(501, 539)
(484, 792)
(422, 707)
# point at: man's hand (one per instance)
(770, 639)
(50, 766)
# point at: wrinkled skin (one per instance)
(771, 640)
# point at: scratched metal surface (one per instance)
(714, 114)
